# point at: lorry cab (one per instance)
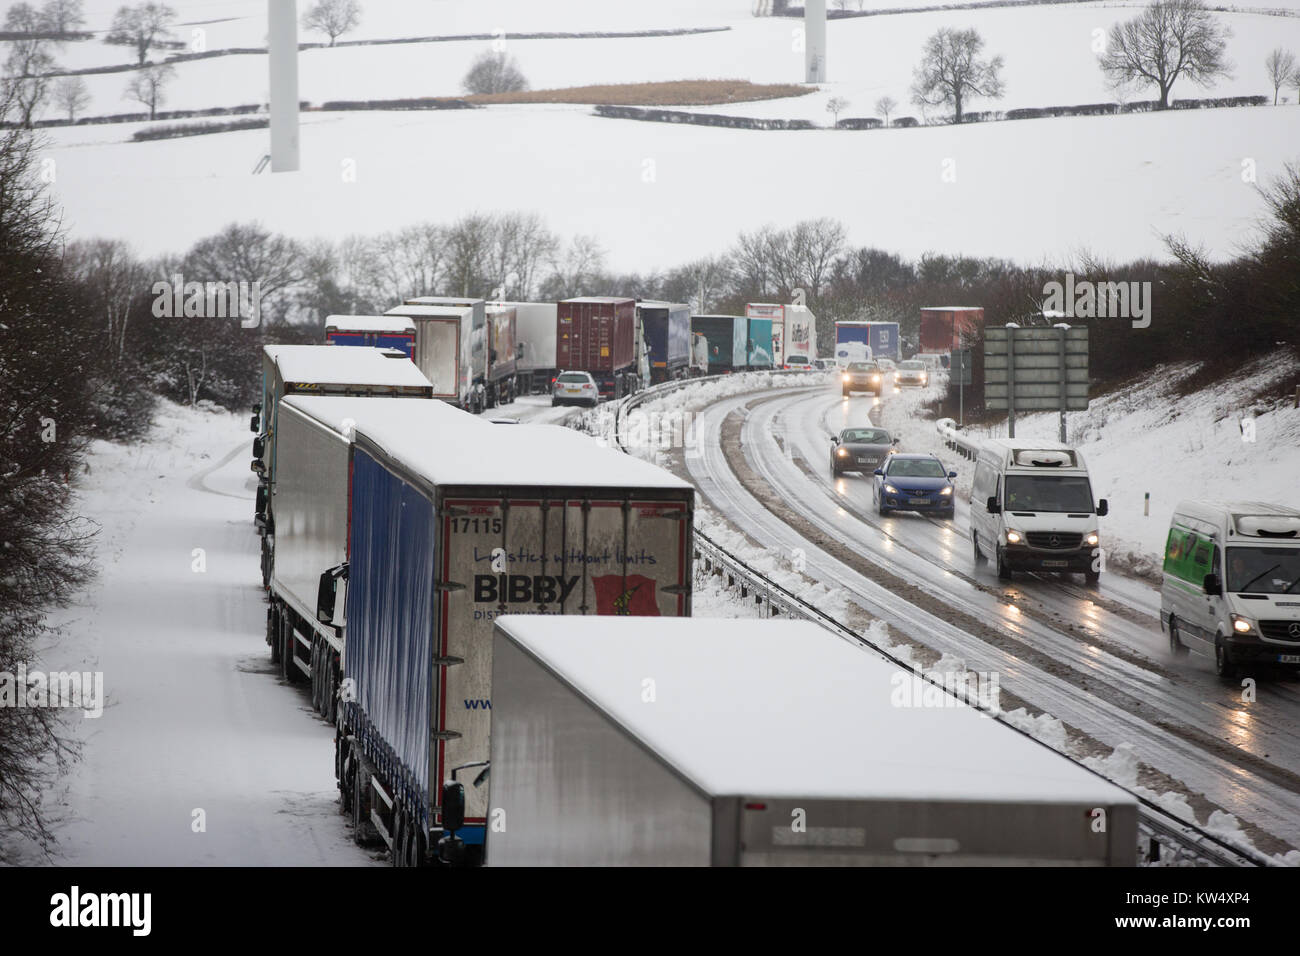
(1231, 587)
(1031, 509)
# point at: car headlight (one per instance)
(1013, 537)
(946, 491)
(1241, 624)
(1091, 539)
(890, 489)
(875, 378)
(842, 452)
(845, 377)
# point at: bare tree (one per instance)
(950, 71)
(26, 82)
(1280, 65)
(494, 72)
(1295, 81)
(885, 106)
(143, 26)
(575, 269)
(333, 18)
(1168, 40)
(835, 106)
(72, 94)
(63, 16)
(108, 267)
(44, 548)
(147, 86)
(247, 252)
(814, 246)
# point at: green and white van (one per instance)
(1231, 585)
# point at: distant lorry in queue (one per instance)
(535, 367)
(794, 331)
(314, 448)
(587, 773)
(666, 328)
(728, 338)
(945, 328)
(758, 348)
(877, 339)
(376, 331)
(316, 370)
(503, 354)
(451, 347)
(598, 334)
(699, 354)
(1231, 576)
(448, 533)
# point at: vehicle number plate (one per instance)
(918, 501)
(866, 461)
(1288, 658)
(1056, 564)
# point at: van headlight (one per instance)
(1241, 624)
(1013, 537)
(1091, 539)
(946, 491)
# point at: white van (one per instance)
(1031, 509)
(1232, 583)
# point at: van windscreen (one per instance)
(1264, 570)
(1048, 493)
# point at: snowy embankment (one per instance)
(1147, 438)
(202, 755)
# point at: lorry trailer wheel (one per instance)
(273, 632)
(288, 652)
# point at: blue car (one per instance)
(914, 483)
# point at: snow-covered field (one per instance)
(659, 195)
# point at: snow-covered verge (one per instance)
(202, 756)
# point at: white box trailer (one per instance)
(765, 743)
(451, 347)
(311, 502)
(535, 336)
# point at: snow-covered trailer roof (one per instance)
(330, 366)
(369, 323)
(520, 456)
(787, 709)
(343, 414)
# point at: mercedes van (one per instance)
(1232, 583)
(1031, 509)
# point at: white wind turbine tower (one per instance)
(282, 35)
(814, 40)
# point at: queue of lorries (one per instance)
(478, 354)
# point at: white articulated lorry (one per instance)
(765, 743)
(312, 504)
